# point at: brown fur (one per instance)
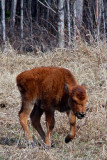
(47, 89)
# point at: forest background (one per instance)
(45, 24)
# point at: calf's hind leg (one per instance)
(23, 117)
(35, 118)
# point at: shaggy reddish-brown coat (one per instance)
(47, 89)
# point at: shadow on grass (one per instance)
(22, 143)
(8, 141)
(13, 142)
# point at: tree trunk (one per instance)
(37, 11)
(3, 20)
(98, 18)
(61, 23)
(69, 22)
(12, 17)
(79, 12)
(74, 21)
(30, 20)
(105, 9)
(104, 22)
(21, 25)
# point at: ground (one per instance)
(89, 65)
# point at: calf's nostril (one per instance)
(82, 114)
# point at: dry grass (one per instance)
(89, 65)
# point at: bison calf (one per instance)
(47, 89)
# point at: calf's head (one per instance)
(77, 99)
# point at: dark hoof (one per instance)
(68, 139)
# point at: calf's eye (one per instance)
(74, 101)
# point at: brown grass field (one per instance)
(89, 65)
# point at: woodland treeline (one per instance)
(45, 24)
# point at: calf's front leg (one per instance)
(50, 121)
(72, 120)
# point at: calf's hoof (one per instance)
(68, 138)
(30, 144)
(47, 142)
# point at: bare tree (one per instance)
(21, 25)
(30, 19)
(74, 21)
(78, 17)
(98, 18)
(3, 20)
(105, 10)
(12, 17)
(37, 11)
(79, 12)
(69, 21)
(61, 23)
(104, 22)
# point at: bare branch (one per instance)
(47, 6)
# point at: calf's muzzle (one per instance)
(80, 115)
